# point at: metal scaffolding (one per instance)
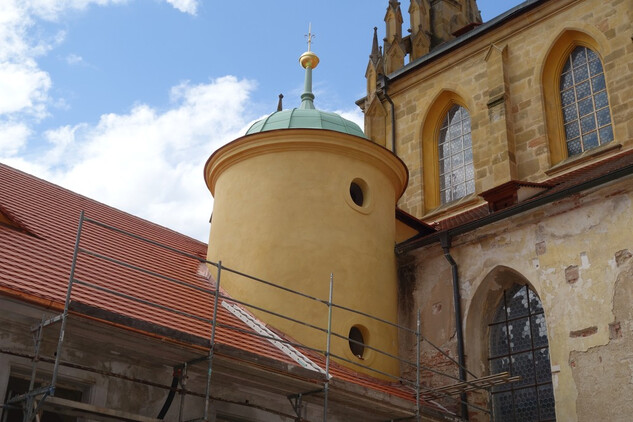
(37, 398)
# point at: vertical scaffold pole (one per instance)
(491, 405)
(36, 357)
(212, 345)
(66, 305)
(418, 336)
(183, 394)
(28, 414)
(326, 386)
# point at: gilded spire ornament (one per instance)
(308, 61)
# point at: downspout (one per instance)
(445, 241)
(384, 84)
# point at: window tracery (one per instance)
(519, 345)
(455, 152)
(584, 100)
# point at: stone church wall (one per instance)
(500, 78)
(576, 255)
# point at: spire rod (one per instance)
(308, 61)
(309, 36)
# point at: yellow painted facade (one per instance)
(283, 212)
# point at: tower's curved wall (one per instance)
(283, 212)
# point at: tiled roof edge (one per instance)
(561, 190)
(102, 204)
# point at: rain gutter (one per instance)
(544, 199)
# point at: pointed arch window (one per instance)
(455, 152)
(519, 345)
(585, 103)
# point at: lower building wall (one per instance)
(576, 255)
(95, 352)
(115, 368)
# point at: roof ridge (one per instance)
(95, 202)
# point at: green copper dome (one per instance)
(306, 116)
(298, 118)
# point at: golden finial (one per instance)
(309, 58)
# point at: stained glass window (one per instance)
(583, 94)
(518, 345)
(455, 151)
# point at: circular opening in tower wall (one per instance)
(356, 341)
(357, 194)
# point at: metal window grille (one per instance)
(518, 344)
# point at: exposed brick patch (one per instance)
(571, 274)
(585, 332)
(622, 256)
(406, 282)
(615, 331)
(541, 248)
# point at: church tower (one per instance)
(304, 194)
(432, 23)
(420, 16)
(375, 67)
(450, 17)
(394, 48)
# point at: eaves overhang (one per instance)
(613, 169)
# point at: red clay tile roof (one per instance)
(35, 264)
(593, 170)
(463, 217)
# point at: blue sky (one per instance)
(124, 100)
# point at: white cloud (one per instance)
(74, 59)
(52, 10)
(185, 6)
(355, 115)
(24, 88)
(146, 162)
(13, 138)
(23, 84)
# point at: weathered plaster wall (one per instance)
(102, 348)
(575, 253)
(100, 359)
(105, 348)
(571, 252)
(612, 361)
